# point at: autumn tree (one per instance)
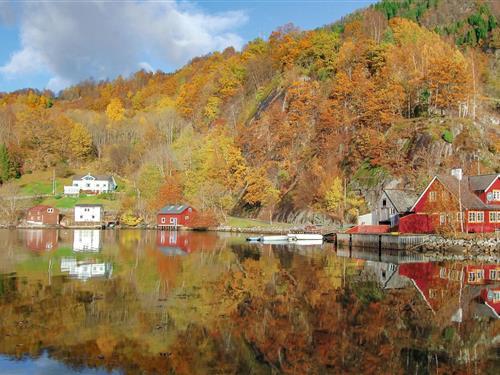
(115, 110)
(80, 142)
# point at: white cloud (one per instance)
(78, 40)
(146, 66)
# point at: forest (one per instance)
(306, 121)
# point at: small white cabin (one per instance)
(88, 213)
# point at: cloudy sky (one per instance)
(53, 44)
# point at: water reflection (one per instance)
(84, 270)
(192, 303)
(87, 240)
(42, 239)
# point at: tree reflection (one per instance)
(238, 308)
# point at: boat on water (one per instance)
(305, 237)
(274, 238)
(299, 238)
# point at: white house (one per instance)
(88, 213)
(87, 240)
(91, 184)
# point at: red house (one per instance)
(43, 215)
(176, 215)
(474, 200)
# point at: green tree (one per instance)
(5, 164)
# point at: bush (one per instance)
(58, 196)
(447, 136)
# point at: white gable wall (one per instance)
(89, 214)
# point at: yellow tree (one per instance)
(80, 141)
(115, 110)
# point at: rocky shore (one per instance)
(461, 248)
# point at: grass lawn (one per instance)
(70, 202)
(40, 183)
(240, 222)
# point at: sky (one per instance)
(56, 43)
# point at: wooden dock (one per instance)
(381, 241)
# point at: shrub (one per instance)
(447, 136)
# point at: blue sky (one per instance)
(53, 44)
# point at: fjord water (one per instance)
(130, 301)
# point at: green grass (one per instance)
(70, 202)
(240, 222)
(40, 183)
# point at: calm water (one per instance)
(95, 302)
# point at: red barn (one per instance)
(176, 215)
(439, 205)
(43, 215)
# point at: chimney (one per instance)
(457, 173)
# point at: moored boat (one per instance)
(304, 236)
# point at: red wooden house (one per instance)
(176, 215)
(474, 200)
(42, 215)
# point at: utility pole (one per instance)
(54, 181)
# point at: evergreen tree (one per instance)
(4, 164)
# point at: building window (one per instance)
(480, 274)
(172, 220)
(494, 216)
(443, 273)
(163, 220)
(493, 274)
(384, 203)
(432, 196)
(190, 209)
(472, 277)
(93, 217)
(444, 195)
(50, 210)
(81, 216)
(186, 217)
(442, 219)
(496, 195)
(476, 216)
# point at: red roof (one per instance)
(369, 229)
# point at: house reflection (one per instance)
(84, 270)
(451, 290)
(174, 243)
(41, 239)
(87, 240)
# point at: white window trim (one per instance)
(473, 216)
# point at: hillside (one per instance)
(306, 125)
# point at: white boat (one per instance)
(273, 238)
(304, 236)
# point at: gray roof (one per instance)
(100, 177)
(174, 208)
(469, 199)
(481, 183)
(403, 200)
